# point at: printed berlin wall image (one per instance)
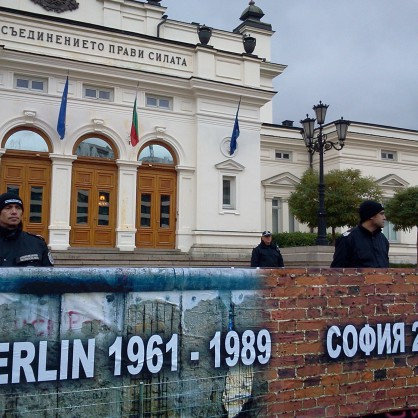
(171, 353)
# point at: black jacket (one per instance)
(266, 256)
(359, 247)
(22, 249)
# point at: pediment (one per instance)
(283, 179)
(230, 165)
(392, 180)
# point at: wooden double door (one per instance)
(29, 176)
(156, 208)
(93, 205)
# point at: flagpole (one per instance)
(134, 137)
(235, 132)
(62, 116)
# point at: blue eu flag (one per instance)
(235, 133)
(63, 112)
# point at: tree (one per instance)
(402, 210)
(344, 191)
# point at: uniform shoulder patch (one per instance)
(50, 258)
(346, 233)
(37, 236)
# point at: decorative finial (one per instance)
(251, 3)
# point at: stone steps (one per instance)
(89, 257)
(199, 256)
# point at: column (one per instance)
(127, 190)
(59, 227)
(186, 208)
(285, 215)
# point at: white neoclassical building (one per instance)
(179, 187)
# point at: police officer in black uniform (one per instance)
(266, 254)
(17, 247)
(364, 245)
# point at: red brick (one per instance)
(411, 278)
(311, 324)
(311, 370)
(378, 279)
(401, 309)
(309, 404)
(311, 281)
(311, 392)
(335, 368)
(400, 371)
(315, 412)
(291, 337)
(401, 289)
(287, 326)
(293, 314)
(353, 301)
(331, 411)
(288, 384)
(310, 347)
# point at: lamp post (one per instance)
(320, 144)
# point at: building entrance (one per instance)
(156, 208)
(93, 204)
(156, 197)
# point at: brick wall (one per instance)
(306, 377)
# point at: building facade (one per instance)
(179, 187)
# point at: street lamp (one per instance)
(320, 144)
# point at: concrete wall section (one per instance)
(86, 341)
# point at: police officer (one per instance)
(364, 245)
(266, 254)
(17, 247)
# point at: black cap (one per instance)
(266, 234)
(9, 199)
(368, 209)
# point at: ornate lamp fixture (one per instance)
(320, 144)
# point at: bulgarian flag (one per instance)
(134, 127)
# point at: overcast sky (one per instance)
(358, 56)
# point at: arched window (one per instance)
(95, 146)
(156, 153)
(26, 139)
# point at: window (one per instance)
(389, 231)
(103, 208)
(35, 206)
(146, 210)
(26, 139)
(228, 192)
(159, 102)
(388, 155)
(283, 155)
(155, 153)
(276, 214)
(95, 147)
(229, 186)
(30, 83)
(98, 93)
